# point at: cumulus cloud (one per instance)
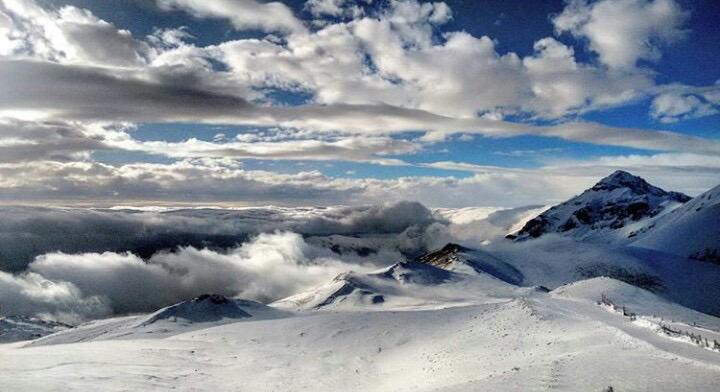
(26, 232)
(68, 34)
(396, 58)
(30, 294)
(377, 73)
(684, 102)
(266, 266)
(243, 14)
(203, 182)
(392, 57)
(269, 266)
(370, 78)
(95, 94)
(622, 32)
(90, 285)
(335, 8)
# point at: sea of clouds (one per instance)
(73, 265)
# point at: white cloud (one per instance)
(75, 287)
(685, 172)
(336, 8)
(192, 182)
(344, 148)
(622, 32)
(266, 266)
(96, 94)
(683, 103)
(22, 141)
(371, 78)
(31, 294)
(373, 66)
(27, 232)
(69, 34)
(243, 14)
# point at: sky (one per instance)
(324, 102)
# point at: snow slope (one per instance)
(199, 313)
(454, 257)
(692, 230)
(404, 285)
(554, 260)
(635, 299)
(538, 341)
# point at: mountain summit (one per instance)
(616, 201)
(621, 179)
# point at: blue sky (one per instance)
(353, 99)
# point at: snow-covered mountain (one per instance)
(586, 336)
(608, 211)
(606, 294)
(693, 230)
(202, 312)
(402, 285)
(454, 257)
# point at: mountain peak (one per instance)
(615, 201)
(442, 257)
(621, 175)
(623, 179)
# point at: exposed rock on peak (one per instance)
(621, 179)
(614, 202)
(443, 257)
(454, 257)
(204, 308)
(416, 273)
(216, 299)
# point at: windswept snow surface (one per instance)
(554, 260)
(406, 285)
(199, 313)
(524, 341)
(692, 230)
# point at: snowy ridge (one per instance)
(646, 310)
(199, 313)
(527, 340)
(445, 277)
(454, 257)
(635, 299)
(606, 212)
